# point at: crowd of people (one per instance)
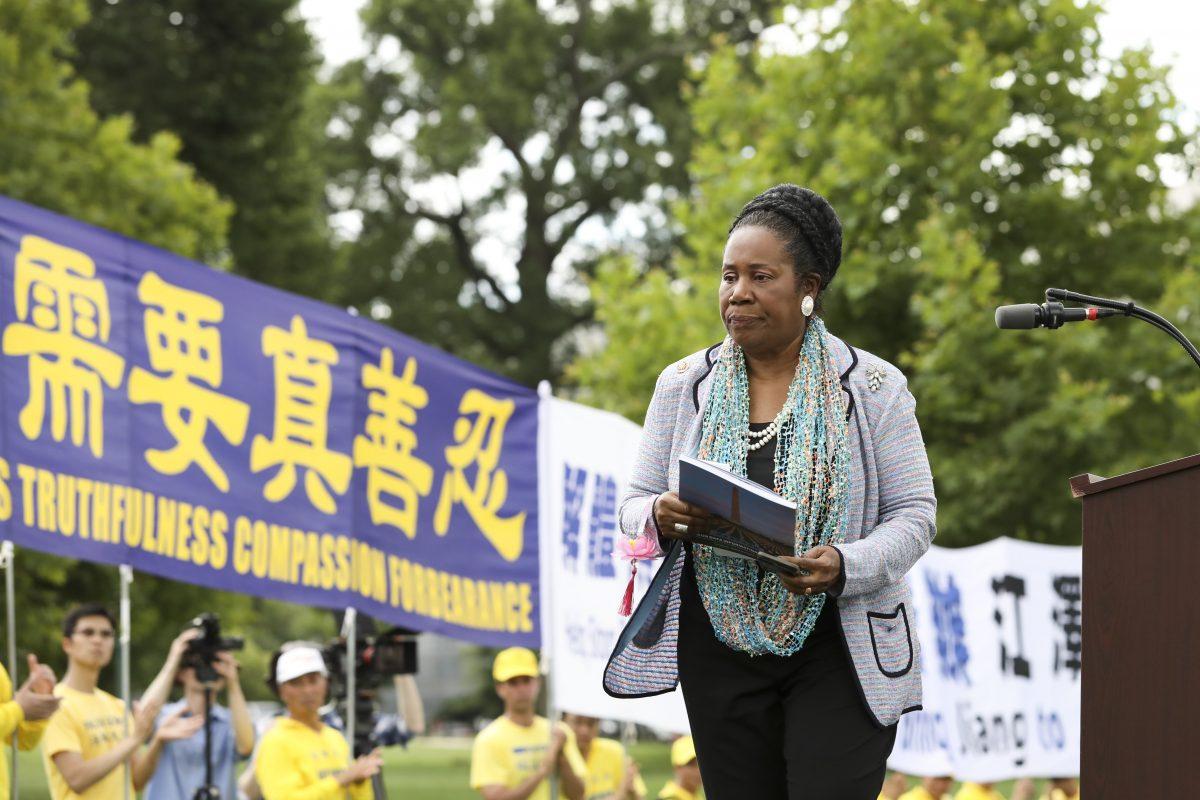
(518, 755)
(93, 748)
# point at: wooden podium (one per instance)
(1141, 632)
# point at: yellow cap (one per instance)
(515, 662)
(683, 750)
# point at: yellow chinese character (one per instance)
(303, 387)
(184, 343)
(56, 289)
(387, 448)
(479, 442)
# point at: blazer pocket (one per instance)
(891, 640)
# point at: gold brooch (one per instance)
(875, 377)
(682, 366)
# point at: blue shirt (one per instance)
(180, 769)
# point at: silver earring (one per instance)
(806, 305)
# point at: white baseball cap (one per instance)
(298, 661)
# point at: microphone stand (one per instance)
(1129, 309)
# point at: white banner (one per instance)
(1001, 640)
(585, 461)
(999, 623)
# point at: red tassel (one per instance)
(626, 607)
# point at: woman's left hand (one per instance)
(824, 566)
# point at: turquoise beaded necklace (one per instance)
(751, 610)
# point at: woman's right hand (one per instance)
(669, 510)
(363, 767)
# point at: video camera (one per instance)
(377, 659)
(202, 651)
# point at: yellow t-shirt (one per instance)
(673, 791)
(12, 720)
(295, 762)
(973, 791)
(505, 754)
(1059, 794)
(917, 793)
(90, 724)
(605, 763)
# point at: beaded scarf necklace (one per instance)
(751, 610)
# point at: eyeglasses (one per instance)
(88, 633)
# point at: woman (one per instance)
(793, 685)
(300, 757)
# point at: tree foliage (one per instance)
(580, 103)
(236, 82)
(976, 153)
(59, 153)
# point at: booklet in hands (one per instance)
(755, 522)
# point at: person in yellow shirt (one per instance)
(1063, 789)
(930, 788)
(977, 791)
(611, 774)
(300, 757)
(686, 783)
(514, 756)
(91, 739)
(23, 715)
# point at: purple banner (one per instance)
(192, 424)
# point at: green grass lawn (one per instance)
(430, 769)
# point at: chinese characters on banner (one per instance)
(1000, 629)
(195, 425)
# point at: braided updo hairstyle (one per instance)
(806, 224)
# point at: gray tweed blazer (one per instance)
(890, 525)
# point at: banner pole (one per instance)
(8, 558)
(552, 714)
(545, 553)
(126, 578)
(350, 630)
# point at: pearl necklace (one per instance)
(758, 439)
(751, 611)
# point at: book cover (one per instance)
(757, 518)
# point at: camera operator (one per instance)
(85, 747)
(300, 757)
(198, 667)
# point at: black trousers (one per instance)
(776, 728)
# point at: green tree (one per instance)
(236, 82)
(581, 106)
(977, 153)
(59, 153)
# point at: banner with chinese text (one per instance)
(196, 425)
(587, 458)
(1001, 643)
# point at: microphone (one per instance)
(1053, 314)
(1025, 316)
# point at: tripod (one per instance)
(208, 791)
(363, 742)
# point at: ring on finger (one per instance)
(808, 590)
(681, 528)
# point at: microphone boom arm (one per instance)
(1129, 309)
